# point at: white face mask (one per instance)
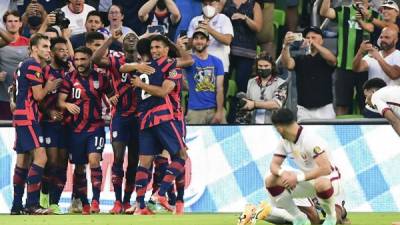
(209, 11)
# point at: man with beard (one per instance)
(124, 125)
(384, 63)
(55, 176)
(206, 84)
(81, 96)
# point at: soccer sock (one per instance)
(279, 216)
(96, 179)
(160, 166)
(180, 186)
(284, 200)
(34, 183)
(46, 179)
(80, 186)
(327, 201)
(171, 195)
(129, 183)
(176, 167)
(142, 179)
(19, 180)
(116, 178)
(59, 179)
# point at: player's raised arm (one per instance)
(98, 56)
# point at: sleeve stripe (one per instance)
(279, 155)
(315, 156)
(35, 68)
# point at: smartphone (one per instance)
(182, 33)
(156, 29)
(298, 36)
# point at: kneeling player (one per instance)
(81, 95)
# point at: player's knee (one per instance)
(322, 184)
(40, 157)
(146, 161)
(270, 181)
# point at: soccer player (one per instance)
(318, 177)
(30, 90)
(81, 96)
(385, 99)
(157, 126)
(53, 130)
(124, 126)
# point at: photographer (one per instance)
(265, 93)
(33, 18)
(163, 14)
(384, 64)
(313, 75)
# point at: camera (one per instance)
(241, 102)
(156, 29)
(61, 20)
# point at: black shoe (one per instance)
(37, 210)
(17, 210)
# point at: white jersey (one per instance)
(304, 150)
(387, 98)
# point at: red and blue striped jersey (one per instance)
(50, 101)
(87, 93)
(153, 110)
(176, 76)
(121, 83)
(28, 74)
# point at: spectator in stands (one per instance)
(131, 8)
(115, 17)
(384, 64)
(93, 23)
(220, 29)
(51, 33)
(266, 36)
(76, 11)
(390, 15)
(33, 18)
(5, 38)
(246, 17)
(49, 5)
(10, 56)
(265, 93)
(350, 36)
(206, 84)
(161, 14)
(313, 75)
(102, 8)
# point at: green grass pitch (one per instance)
(164, 219)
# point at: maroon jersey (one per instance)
(28, 74)
(175, 95)
(121, 82)
(50, 101)
(87, 93)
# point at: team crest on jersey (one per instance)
(96, 84)
(172, 74)
(317, 150)
(38, 74)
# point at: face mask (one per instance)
(34, 21)
(264, 72)
(209, 11)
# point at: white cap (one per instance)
(390, 4)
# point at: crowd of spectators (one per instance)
(230, 40)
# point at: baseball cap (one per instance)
(202, 31)
(390, 4)
(312, 29)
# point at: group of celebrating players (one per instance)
(58, 103)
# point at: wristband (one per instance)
(280, 172)
(301, 177)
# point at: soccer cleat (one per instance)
(126, 206)
(301, 221)
(17, 210)
(144, 211)
(86, 209)
(56, 209)
(329, 220)
(179, 208)
(37, 210)
(44, 200)
(162, 200)
(130, 210)
(247, 215)
(76, 206)
(94, 207)
(263, 211)
(117, 209)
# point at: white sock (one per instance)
(285, 201)
(279, 213)
(328, 205)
